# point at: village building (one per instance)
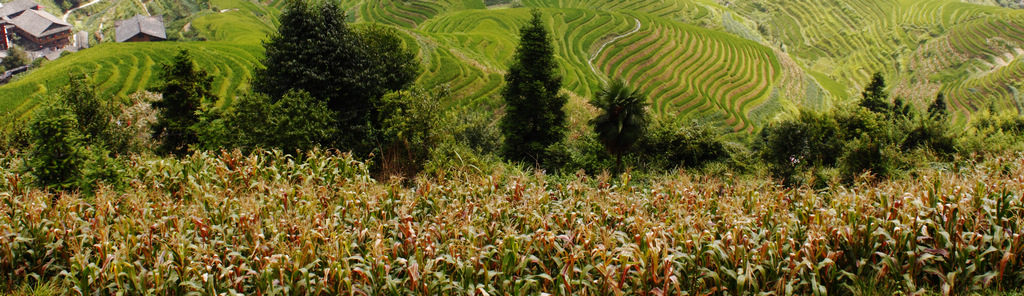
(39, 28)
(141, 29)
(4, 42)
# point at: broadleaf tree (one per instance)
(534, 116)
(623, 118)
(316, 51)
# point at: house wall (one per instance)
(142, 38)
(58, 40)
(3, 37)
(139, 38)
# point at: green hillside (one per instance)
(695, 57)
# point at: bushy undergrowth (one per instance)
(271, 224)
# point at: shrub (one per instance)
(469, 145)
(811, 140)
(16, 57)
(582, 152)
(933, 134)
(297, 121)
(128, 130)
(407, 131)
(871, 154)
(674, 143)
(14, 137)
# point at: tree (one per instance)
(296, 121)
(874, 97)
(534, 119)
(16, 57)
(938, 107)
(185, 87)
(80, 96)
(57, 156)
(392, 67)
(316, 51)
(623, 119)
(407, 130)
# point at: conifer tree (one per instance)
(534, 118)
(874, 97)
(57, 156)
(184, 88)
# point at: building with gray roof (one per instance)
(40, 28)
(14, 8)
(141, 29)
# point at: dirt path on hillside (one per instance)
(599, 50)
(66, 14)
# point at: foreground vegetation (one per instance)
(268, 223)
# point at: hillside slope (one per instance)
(692, 57)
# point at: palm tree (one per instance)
(623, 119)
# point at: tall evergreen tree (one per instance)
(874, 97)
(80, 96)
(57, 156)
(184, 88)
(534, 118)
(623, 118)
(315, 51)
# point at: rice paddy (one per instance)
(691, 57)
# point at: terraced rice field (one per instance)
(689, 70)
(120, 69)
(805, 54)
(850, 40)
(661, 58)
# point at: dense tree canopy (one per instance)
(184, 88)
(534, 118)
(316, 51)
(296, 121)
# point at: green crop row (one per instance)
(316, 224)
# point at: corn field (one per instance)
(224, 223)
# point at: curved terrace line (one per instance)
(599, 50)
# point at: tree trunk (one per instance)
(618, 163)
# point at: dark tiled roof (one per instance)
(149, 25)
(39, 23)
(16, 7)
